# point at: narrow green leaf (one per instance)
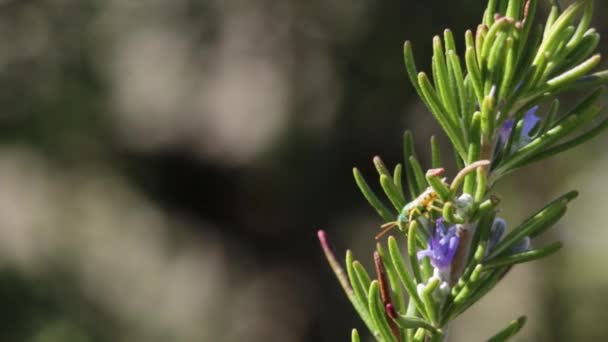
(497, 52)
(456, 69)
(418, 174)
(469, 286)
(412, 322)
(582, 26)
(362, 275)
(553, 35)
(405, 276)
(469, 40)
(411, 312)
(398, 298)
(549, 119)
(458, 160)
(528, 21)
(543, 219)
(439, 112)
(410, 67)
(483, 287)
(381, 167)
(391, 192)
(354, 337)
(488, 16)
(448, 38)
(411, 251)
(358, 288)
(449, 214)
(398, 180)
(474, 73)
(440, 72)
(371, 197)
(574, 73)
(513, 328)
(469, 180)
(569, 144)
(436, 160)
(596, 79)
(408, 151)
(522, 257)
(439, 186)
(509, 71)
(429, 302)
(360, 306)
(377, 313)
(584, 112)
(500, 26)
(514, 9)
(584, 49)
(488, 118)
(553, 14)
(482, 181)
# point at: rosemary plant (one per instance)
(499, 108)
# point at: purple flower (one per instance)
(499, 226)
(442, 246)
(530, 121)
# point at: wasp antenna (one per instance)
(384, 231)
(389, 225)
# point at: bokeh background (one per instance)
(164, 167)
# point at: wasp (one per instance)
(424, 203)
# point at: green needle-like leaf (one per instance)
(436, 160)
(362, 275)
(398, 180)
(392, 192)
(569, 144)
(377, 313)
(582, 26)
(354, 337)
(408, 152)
(358, 288)
(421, 184)
(429, 301)
(457, 74)
(574, 73)
(360, 306)
(381, 167)
(412, 322)
(552, 36)
(513, 328)
(371, 197)
(514, 9)
(404, 275)
(411, 250)
(474, 73)
(439, 112)
(398, 298)
(441, 78)
(439, 186)
(535, 224)
(522, 257)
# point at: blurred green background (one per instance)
(164, 167)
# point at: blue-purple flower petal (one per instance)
(505, 131)
(530, 121)
(442, 246)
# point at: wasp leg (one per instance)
(389, 224)
(385, 229)
(412, 212)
